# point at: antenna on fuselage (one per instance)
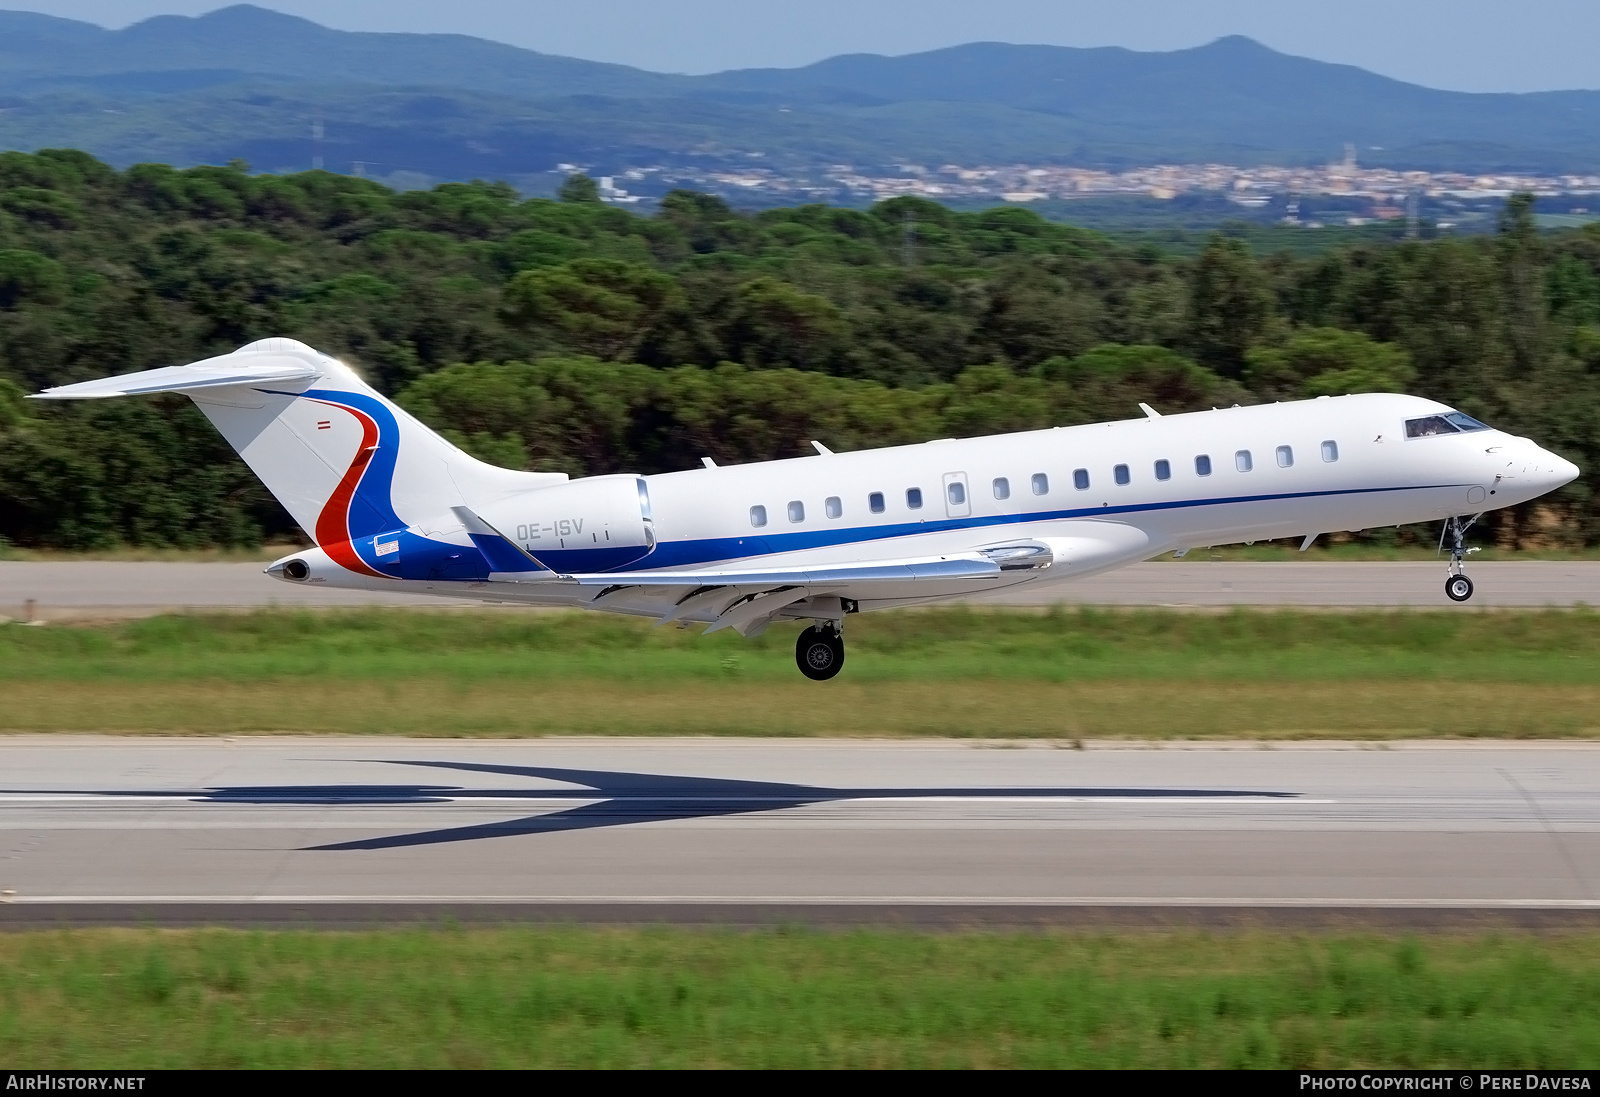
(1150, 412)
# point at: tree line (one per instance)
(573, 335)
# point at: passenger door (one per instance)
(957, 499)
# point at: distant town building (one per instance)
(1386, 190)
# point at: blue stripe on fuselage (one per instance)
(669, 554)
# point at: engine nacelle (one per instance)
(595, 524)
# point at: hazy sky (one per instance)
(1468, 45)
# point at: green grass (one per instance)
(959, 672)
(1053, 645)
(522, 997)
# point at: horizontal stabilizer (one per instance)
(888, 571)
(212, 373)
(505, 556)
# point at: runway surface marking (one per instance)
(936, 826)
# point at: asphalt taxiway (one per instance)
(66, 589)
(358, 830)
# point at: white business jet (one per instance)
(393, 506)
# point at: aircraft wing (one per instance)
(748, 599)
(511, 563)
(959, 566)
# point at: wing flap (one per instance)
(761, 607)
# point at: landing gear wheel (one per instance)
(819, 652)
(1457, 587)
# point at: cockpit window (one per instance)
(1450, 422)
(1465, 422)
(1429, 425)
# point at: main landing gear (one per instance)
(820, 651)
(1457, 587)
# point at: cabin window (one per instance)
(1243, 461)
(1202, 465)
(875, 502)
(1285, 457)
(1163, 469)
(957, 491)
(1041, 484)
(758, 516)
(797, 511)
(1002, 488)
(1080, 479)
(833, 506)
(1330, 451)
(1121, 474)
(914, 498)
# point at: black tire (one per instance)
(819, 653)
(1458, 588)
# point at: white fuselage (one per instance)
(392, 505)
(1276, 470)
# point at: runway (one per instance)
(353, 830)
(77, 589)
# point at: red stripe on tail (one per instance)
(333, 524)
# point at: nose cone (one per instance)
(1567, 471)
(1549, 471)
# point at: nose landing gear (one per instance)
(819, 651)
(1457, 587)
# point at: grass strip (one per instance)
(567, 997)
(1065, 673)
(985, 709)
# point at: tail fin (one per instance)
(345, 462)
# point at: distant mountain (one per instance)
(243, 41)
(247, 82)
(1233, 91)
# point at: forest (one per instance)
(572, 335)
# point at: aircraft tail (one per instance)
(345, 462)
